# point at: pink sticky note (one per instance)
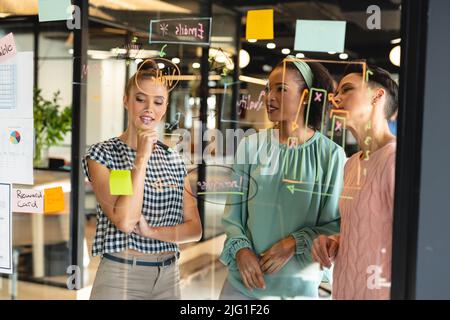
(7, 47)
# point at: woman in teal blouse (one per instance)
(269, 235)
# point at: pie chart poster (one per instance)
(16, 150)
(14, 137)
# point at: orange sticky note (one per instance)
(259, 24)
(53, 200)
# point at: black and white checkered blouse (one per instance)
(163, 196)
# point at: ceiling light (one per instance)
(253, 80)
(145, 54)
(394, 56)
(221, 39)
(285, 51)
(343, 56)
(176, 60)
(396, 41)
(161, 65)
(147, 5)
(196, 65)
(300, 55)
(267, 68)
(99, 54)
(244, 58)
(271, 45)
(252, 40)
(220, 57)
(332, 52)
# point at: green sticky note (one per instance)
(320, 35)
(54, 10)
(120, 183)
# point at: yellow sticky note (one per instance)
(259, 24)
(120, 183)
(53, 200)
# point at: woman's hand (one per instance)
(324, 250)
(146, 140)
(143, 229)
(250, 270)
(278, 255)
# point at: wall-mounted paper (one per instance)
(259, 24)
(53, 200)
(5, 229)
(8, 87)
(16, 150)
(195, 31)
(16, 119)
(7, 47)
(320, 35)
(54, 10)
(16, 86)
(120, 183)
(28, 200)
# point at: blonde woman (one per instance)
(138, 235)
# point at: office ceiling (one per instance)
(361, 43)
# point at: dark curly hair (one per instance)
(322, 80)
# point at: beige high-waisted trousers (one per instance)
(120, 281)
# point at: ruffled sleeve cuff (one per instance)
(302, 242)
(231, 248)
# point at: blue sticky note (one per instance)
(54, 10)
(320, 35)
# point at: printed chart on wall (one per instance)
(16, 119)
(16, 150)
(5, 229)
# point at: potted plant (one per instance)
(51, 123)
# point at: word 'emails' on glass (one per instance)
(194, 31)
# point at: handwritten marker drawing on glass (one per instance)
(338, 120)
(195, 31)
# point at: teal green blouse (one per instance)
(297, 193)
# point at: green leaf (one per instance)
(51, 120)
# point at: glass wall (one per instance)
(41, 241)
(237, 91)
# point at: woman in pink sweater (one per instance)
(361, 253)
